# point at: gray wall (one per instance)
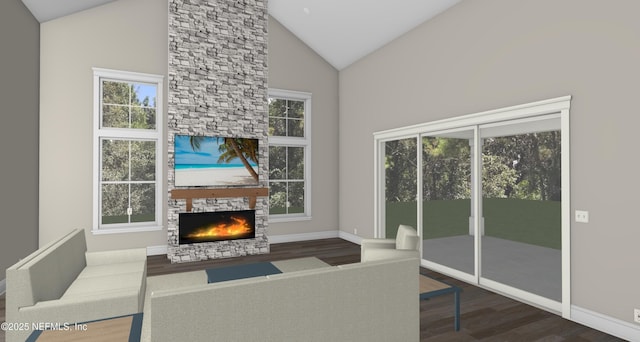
(126, 35)
(19, 38)
(483, 55)
(294, 66)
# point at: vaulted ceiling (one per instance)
(341, 31)
(45, 10)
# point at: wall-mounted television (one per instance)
(215, 161)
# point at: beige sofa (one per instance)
(63, 283)
(373, 301)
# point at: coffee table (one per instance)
(430, 288)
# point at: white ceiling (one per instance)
(45, 10)
(341, 31)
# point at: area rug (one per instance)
(299, 264)
(218, 274)
(258, 269)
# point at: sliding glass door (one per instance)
(489, 196)
(400, 184)
(521, 206)
(447, 217)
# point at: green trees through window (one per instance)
(516, 170)
(522, 188)
(128, 105)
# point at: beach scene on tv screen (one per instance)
(213, 161)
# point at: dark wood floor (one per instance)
(485, 316)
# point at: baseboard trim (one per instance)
(607, 324)
(160, 250)
(303, 236)
(157, 250)
(350, 237)
(3, 286)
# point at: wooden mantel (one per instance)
(189, 194)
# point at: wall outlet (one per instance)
(582, 216)
(355, 231)
(636, 315)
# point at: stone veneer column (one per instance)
(218, 87)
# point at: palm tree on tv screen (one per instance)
(244, 149)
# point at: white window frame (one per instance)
(304, 142)
(100, 133)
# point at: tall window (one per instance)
(289, 155)
(128, 131)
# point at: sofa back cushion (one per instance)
(373, 301)
(47, 275)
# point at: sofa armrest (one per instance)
(117, 256)
(387, 254)
(378, 243)
(75, 310)
(84, 307)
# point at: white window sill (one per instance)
(288, 218)
(103, 231)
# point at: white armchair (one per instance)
(403, 246)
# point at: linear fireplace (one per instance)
(216, 226)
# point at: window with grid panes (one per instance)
(128, 151)
(289, 154)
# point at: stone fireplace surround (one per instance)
(218, 87)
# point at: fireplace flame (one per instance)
(238, 226)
